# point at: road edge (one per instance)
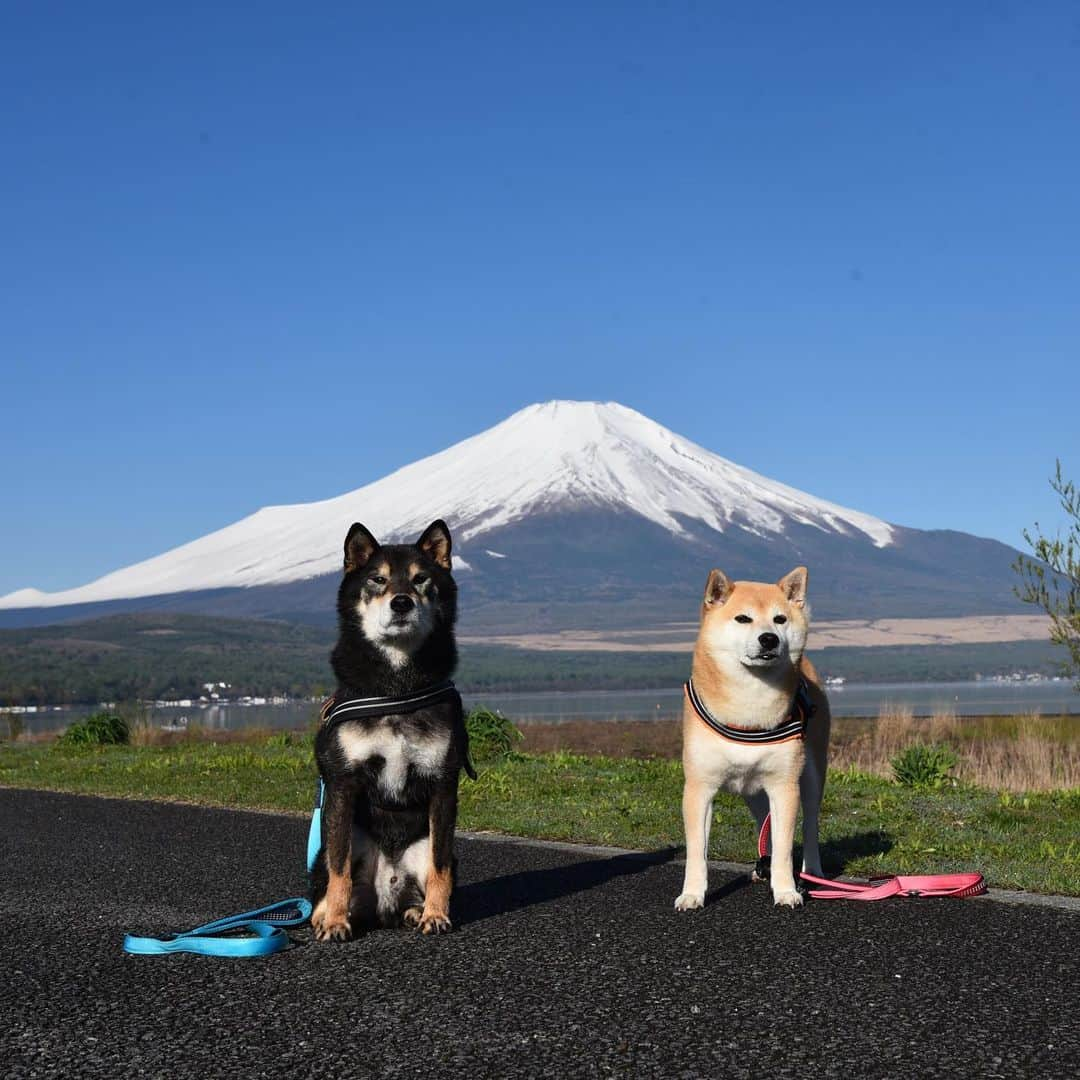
(1003, 896)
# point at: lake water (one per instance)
(866, 699)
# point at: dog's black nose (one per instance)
(401, 603)
(768, 641)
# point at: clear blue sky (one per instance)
(266, 253)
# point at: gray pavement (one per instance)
(564, 963)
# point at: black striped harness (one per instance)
(355, 708)
(793, 726)
(335, 712)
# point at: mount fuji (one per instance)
(566, 514)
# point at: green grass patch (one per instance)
(869, 824)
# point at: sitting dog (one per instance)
(755, 722)
(392, 742)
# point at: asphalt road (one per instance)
(563, 963)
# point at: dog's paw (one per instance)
(412, 916)
(330, 928)
(333, 930)
(689, 902)
(787, 898)
(435, 923)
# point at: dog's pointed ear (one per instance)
(718, 588)
(435, 543)
(793, 586)
(360, 545)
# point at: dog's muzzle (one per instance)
(761, 660)
(770, 651)
(400, 617)
(402, 605)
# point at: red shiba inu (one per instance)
(755, 722)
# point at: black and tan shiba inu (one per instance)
(755, 722)
(392, 742)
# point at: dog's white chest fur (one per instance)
(740, 768)
(398, 751)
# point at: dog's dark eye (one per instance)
(376, 579)
(743, 618)
(779, 619)
(420, 579)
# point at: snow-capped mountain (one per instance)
(583, 476)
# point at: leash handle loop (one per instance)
(958, 886)
(882, 886)
(263, 924)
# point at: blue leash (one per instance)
(314, 836)
(263, 925)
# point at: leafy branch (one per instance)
(1051, 580)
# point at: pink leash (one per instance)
(883, 886)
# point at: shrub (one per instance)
(101, 729)
(924, 765)
(490, 733)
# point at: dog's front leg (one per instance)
(330, 918)
(442, 820)
(697, 817)
(784, 805)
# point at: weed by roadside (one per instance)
(490, 734)
(100, 729)
(922, 765)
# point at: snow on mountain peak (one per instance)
(551, 456)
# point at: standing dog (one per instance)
(755, 722)
(392, 742)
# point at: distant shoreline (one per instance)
(840, 633)
(1034, 679)
(628, 710)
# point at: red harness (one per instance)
(882, 886)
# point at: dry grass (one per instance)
(1032, 761)
(608, 738)
(1006, 753)
(144, 734)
